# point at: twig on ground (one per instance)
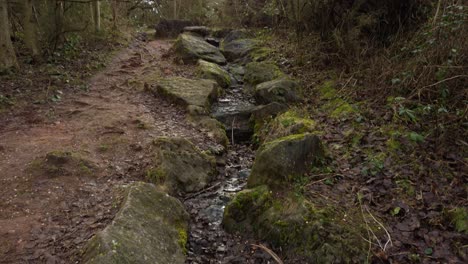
(202, 191)
(270, 252)
(232, 130)
(389, 238)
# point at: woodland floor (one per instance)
(111, 124)
(48, 219)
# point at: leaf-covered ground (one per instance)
(401, 174)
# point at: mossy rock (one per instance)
(281, 90)
(212, 127)
(190, 48)
(62, 163)
(236, 35)
(261, 54)
(187, 92)
(279, 162)
(237, 71)
(245, 208)
(208, 70)
(151, 227)
(320, 235)
(180, 167)
(239, 50)
(260, 72)
(286, 124)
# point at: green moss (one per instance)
(156, 175)
(327, 90)
(183, 238)
(261, 54)
(343, 109)
(406, 186)
(459, 218)
(245, 207)
(259, 72)
(286, 138)
(323, 235)
(208, 70)
(335, 106)
(85, 168)
(103, 147)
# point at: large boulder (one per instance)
(281, 161)
(286, 124)
(180, 167)
(214, 129)
(238, 50)
(190, 48)
(297, 226)
(209, 70)
(260, 72)
(167, 28)
(279, 90)
(235, 35)
(187, 92)
(151, 227)
(200, 30)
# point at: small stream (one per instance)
(208, 242)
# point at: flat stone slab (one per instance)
(151, 227)
(280, 90)
(187, 91)
(190, 48)
(180, 166)
(212, 71)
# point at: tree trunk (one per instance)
(59, 27)
(30, 34)
(97, 15)
(114, 14)
(7, 53)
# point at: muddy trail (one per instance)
(48, 217)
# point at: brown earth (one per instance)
(47, 218)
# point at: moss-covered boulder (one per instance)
(151, 227)
(209, 70)
(187, 92)
(212, 127)
(245, 208)
(280, 161)
(320, 235)
(180, 167)
(236, 34)
(238, 50)
(237, 72)
(62, 163)
(286, 124)
(190, 48)
(280, 90)
(260, 72)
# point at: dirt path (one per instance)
(47, 219)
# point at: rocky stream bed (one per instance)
(232, 198)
